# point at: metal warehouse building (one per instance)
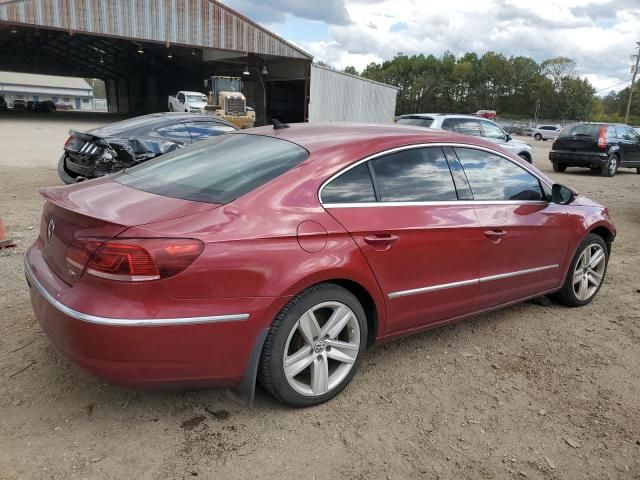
(146, 50)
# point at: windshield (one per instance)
(418, 121)
(196, 98)
(217, 170)
(581, 130)
(228, 85)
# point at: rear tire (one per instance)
(537, 137)
(302, 364)
(585, 276)
(610, 168)
(62, 171)
(171, 108)
(558, 167)
(638, 170)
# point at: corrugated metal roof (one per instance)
(194, 23)
(14, 78)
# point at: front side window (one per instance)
(469, 126)
(492, 177)
(491, 130)
(353, 186)
(217, 170)
(414, 175)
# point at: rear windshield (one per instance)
(418, 121)
(217, 170)
(126, 125)
(581, 130)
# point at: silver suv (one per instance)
(469, 125)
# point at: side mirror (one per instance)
(508, 137)
(561, 195)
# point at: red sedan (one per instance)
(281, 254)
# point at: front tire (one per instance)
(610, 168)
(586, 273)
(314, 346)
(526, 157)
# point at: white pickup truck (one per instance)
(193, 102)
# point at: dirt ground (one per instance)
(532, 391)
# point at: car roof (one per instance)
(152, 120)
(361, 139)
(186, 92)
(431, 115)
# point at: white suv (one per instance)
(546, 132)
(469, 125)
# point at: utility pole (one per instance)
(633, 81)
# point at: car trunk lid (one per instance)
(100, 209)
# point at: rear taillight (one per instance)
(602, 139)
(68, 141)
(133, 259)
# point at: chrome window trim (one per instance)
(451, 203)
(473, 281)
(124, 322)
(426, 145)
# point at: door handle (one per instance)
(381, 240)
(494, 234)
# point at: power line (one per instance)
(619, 83)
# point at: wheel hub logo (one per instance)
(319, 347)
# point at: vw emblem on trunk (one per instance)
(50, 227)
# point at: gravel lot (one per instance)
(536, 390)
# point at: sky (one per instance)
(599, 35)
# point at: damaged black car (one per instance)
(124, 144)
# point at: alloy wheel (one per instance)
(321, 349)
(612, 165)
(589, 271)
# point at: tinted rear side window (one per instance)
(415, 175)
(581, 130)
(353, 186)
(218, 170)
(495, 178)
(416, 121)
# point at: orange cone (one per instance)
(5, 243)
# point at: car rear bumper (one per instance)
(144, 352)
(578, 159)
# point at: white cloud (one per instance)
(598, 34)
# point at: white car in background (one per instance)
(190, 102)
(469, 125)
(546, 132)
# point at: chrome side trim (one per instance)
(516, 274)
(423, 145)
(125, 322)
(434, 288)
(473, 281)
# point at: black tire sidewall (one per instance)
(308, 299)
(62, 171)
